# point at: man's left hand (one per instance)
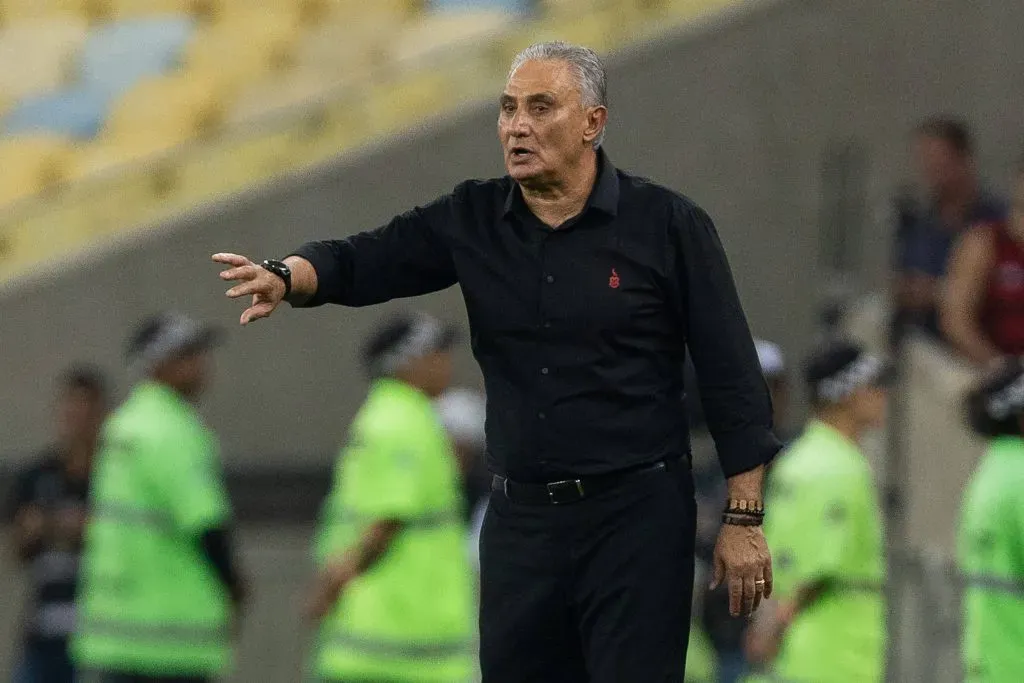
(743, 563)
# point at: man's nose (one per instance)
(519, 125)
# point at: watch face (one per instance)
(277, 267)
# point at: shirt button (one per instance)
(547, 323)
(550, 278)
(543, 371)
(542, 416)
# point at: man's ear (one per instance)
(597, 117)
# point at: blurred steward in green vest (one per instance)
(991, 536)
(394, 595)
(827, 623)
(159, 589)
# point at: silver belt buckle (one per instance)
(552, 488)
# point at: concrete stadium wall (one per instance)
(739, 114)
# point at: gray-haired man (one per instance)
(584, 286)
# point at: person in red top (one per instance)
(982, 312)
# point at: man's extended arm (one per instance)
(407, 257)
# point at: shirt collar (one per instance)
(604, 196)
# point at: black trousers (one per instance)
(597, 591)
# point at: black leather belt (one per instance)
(571, 490)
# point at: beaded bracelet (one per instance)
(745, 519)
(745, 507)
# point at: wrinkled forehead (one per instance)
(543, 76)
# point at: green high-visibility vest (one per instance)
(149, 601)
(824, 524)
(410, 616)
(991, 557)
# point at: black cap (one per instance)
(168, 335)
(996, 403)
(840, 367)
(402, 338)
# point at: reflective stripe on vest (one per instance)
(126, 513)
(406, 649)
(997, 584)
(431, 520)
(173, 634)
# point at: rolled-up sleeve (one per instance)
(733, 391)
(407, 257)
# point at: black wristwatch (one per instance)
(280, 269)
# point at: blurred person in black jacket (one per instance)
(48, 508)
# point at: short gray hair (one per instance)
(593, 80)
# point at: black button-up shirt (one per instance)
(580, 331)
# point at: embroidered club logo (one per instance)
(613, 281)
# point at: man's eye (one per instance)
(508, 108)
(540, 108)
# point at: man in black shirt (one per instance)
(49, 507)
(584, 287)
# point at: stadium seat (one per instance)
(403, 103)
(14, 11)
(563, 8)
(245, 47)
(280, 93)
(445, 32)
(507, 6)
(168, 110)
(352, 12)
(306, 12)
(36, 55)
(31, 164)
(342, 49)
(117, 55)
(74, 112)
(131, 9)
(154, 117)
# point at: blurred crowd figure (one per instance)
(982, 307)
(826, 621)
(954, 200)
(991, 534)
(48, 509)
(160, 593)
(393, 600)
